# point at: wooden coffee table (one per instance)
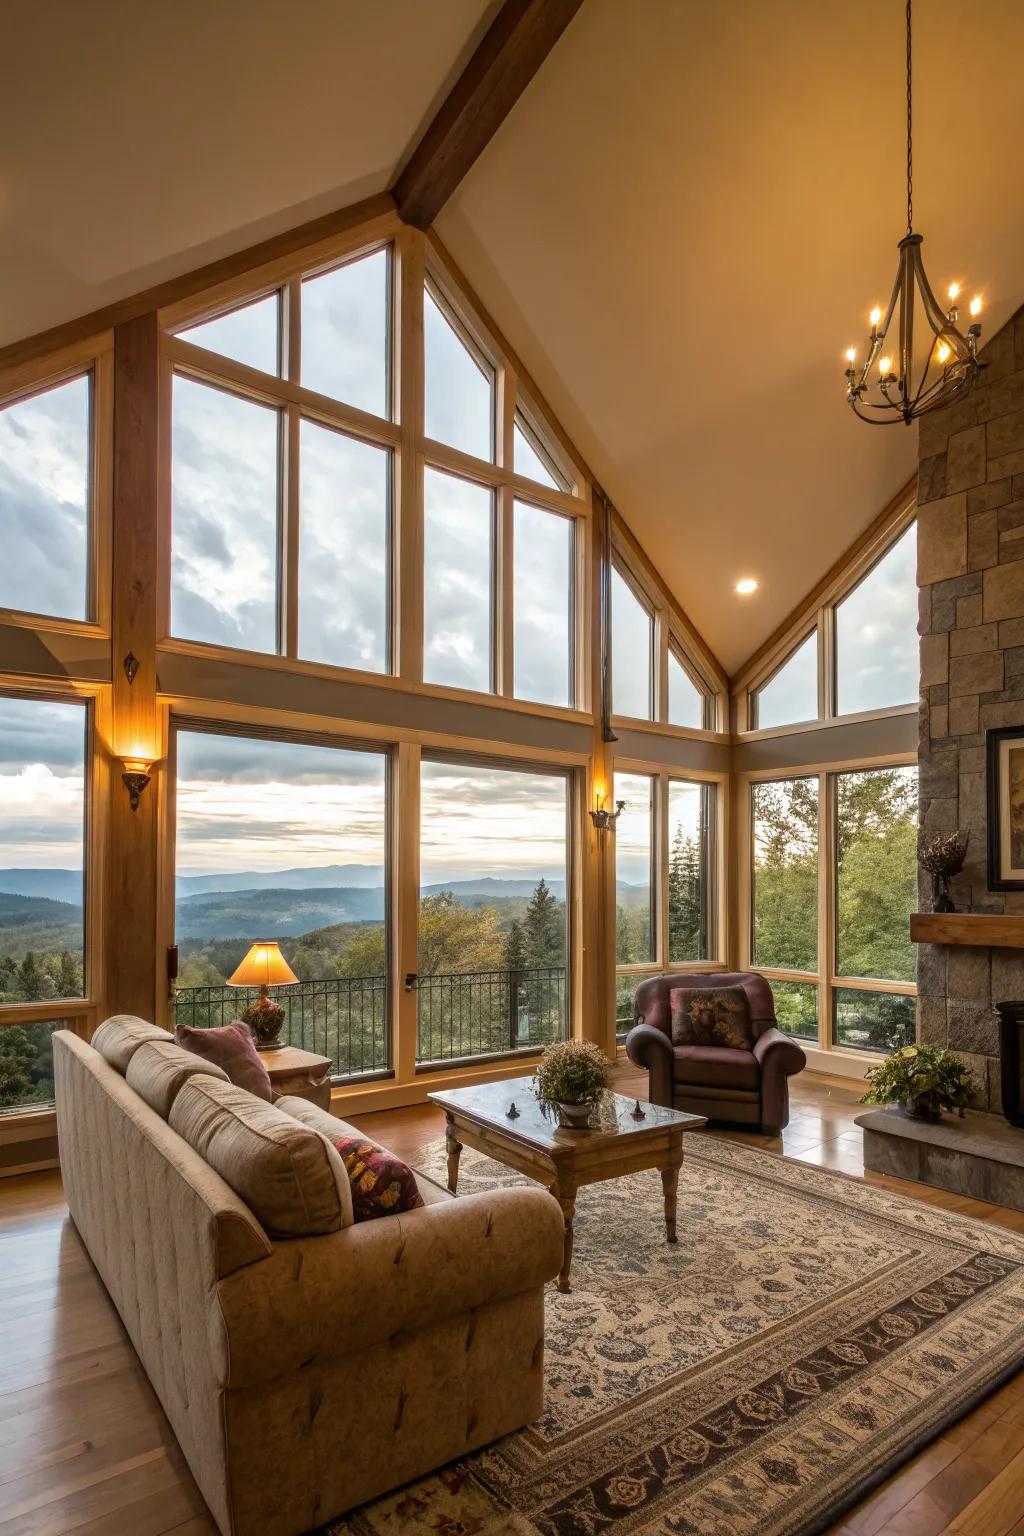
(619, 1142)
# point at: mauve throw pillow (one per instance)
(382, 1185)
(706, 1016)
(231, 1046)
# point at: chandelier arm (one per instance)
(937, 317)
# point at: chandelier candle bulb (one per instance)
(975, 308)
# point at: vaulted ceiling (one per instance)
(680, 226)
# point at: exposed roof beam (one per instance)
(509, 55)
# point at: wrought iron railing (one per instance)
(465, 1014)
(343, 1017)
(489, 1013)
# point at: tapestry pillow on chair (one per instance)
(703, 1016)
(382, 1185)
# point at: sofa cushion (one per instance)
(334, 1128)
(232, 1047)
(382, 1185)
(290, 1177)
(716, 1066)
(119, 1037)
(711, 1016)
(159, 1069)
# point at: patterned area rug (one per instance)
(808, 1334)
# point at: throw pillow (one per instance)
(231, 1047)
(702, 1016)
(382, 1185)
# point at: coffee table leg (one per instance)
(567, 1200)
(454, 1146)
(670, 1184)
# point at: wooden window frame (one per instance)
(666, 638)
(93, 358)
(662, 777)
(80, 1015)
(826, 976)
(818, 613)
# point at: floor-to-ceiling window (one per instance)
(286, 840)
(493, 939)
(833, 886)
(43, 960)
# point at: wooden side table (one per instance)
(302, 1073)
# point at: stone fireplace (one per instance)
(971, 588)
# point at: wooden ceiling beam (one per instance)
(509, 55)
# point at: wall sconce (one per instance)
(604, 819)
(135, 777)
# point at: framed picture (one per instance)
(1006, 808)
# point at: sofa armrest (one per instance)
(362, 1286)
(650, 1048)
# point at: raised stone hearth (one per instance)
(980, 1156)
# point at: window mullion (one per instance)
(407, 510)
(660, 702)
(288, 572)
(659, 852)
(827, 879)
(503, 602)
(826, 662)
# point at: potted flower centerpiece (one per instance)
(572, 1076)
(924, 1079)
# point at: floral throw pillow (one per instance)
(382, 1185)
(705, 1016)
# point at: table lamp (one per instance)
(264, 966)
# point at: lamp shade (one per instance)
(263, 966)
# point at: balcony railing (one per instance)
(342, 1017)
(461, 1015)
(489, 1013)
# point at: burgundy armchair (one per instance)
(743, 1087)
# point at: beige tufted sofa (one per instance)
(302, 1375)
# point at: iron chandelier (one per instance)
(895, 393)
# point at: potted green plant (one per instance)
(572, 1076)
(924, 1079)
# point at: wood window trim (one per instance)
(92, 357)
(817, 610)
(825, 978)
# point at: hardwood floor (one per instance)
(84, 1446)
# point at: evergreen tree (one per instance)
(514, 957)
(68, 979)
(544, 926)
(31, 979)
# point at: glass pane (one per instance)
(224, 518)
(343, 550)
(44, 502)
(873, 1021)
(26, 1065)
(250, 335)
(690, 818)
(634, 909)
(542, 605)
(796, 1008)
(458, 529)
(876, 634)
(527, 461)
(786, 874)
(459, 387)
(345, 334)
(283, 838)
(792, 694)
(685, 700)
(492, 920)
(632, 651)
(42, 850)
(876, 826)
(625, 991)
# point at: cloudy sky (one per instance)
(44, 475)
(246, 803)
(42, 779)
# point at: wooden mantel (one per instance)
(983, 929)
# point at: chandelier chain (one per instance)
(910, 133)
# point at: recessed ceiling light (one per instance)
(746, 585)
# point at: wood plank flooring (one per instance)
(84, 1445)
